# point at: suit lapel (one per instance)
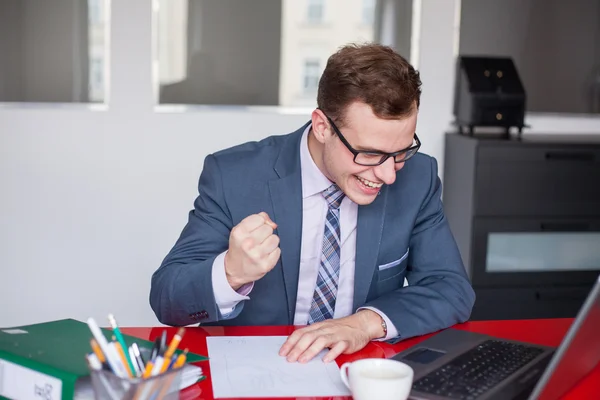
(369, 228)
(286, 196)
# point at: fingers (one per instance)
(256, 226)
(255, 221)
(300, 341)
(273, 258)
(253, 249)
(261, 233)
(241, 232)
(317, 345)
(261, 243)
(335, 351)
(268, 220)
(294, 338)
(269, 245)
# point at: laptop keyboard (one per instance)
(478, 370)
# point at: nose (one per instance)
(386, 172)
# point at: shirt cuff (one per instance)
(392, 332)
(225, 297)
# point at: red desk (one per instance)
(545, 332)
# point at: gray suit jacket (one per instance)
(403, 233)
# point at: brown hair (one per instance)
(373, 74)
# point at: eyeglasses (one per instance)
(374, 158)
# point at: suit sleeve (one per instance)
(181, 290)
(439, 293)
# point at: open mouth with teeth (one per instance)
(368, 186)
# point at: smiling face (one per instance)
(364, 131)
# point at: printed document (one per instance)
(250, 366)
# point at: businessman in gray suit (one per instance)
(320, 227)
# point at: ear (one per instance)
(320, 125)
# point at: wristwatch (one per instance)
(384, 326)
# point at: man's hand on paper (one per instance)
(253, 250)
(344, 335)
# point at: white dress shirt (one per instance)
(314, 211)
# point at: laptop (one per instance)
(457, 364)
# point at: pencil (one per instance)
(121, 340)
(180, 360)
(103, 343)
(174, 343)
(165, 365)
(97, 350)
(121, 353)
(148, 370)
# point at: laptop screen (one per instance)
(578, 353)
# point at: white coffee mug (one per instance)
(377, 379)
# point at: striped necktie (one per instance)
(323, 302)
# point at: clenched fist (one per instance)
(253, 250)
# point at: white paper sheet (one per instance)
(250, 366)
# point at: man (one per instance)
(321, 227)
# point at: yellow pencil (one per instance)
(180, 360)
(174, 343)
(123, 359)
(148, 370)
(165, 366)
(97, 350)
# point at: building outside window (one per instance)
(312, 73)
(314, 13)
(368, 12)
(254, 53)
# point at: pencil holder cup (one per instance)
(108, 386)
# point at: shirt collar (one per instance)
(313, 180)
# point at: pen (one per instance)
(174, 343)
(155, 349)
(121, 340)
(94, 362)
(99, 336)
(136, 366)
(163, 343)
(158, 364)
(138, 357)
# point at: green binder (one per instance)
(56, 349)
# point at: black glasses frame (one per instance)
(409, 151)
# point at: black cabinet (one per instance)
(525, 213)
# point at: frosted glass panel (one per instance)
(547, 251)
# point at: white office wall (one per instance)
(93, 200)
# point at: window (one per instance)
(96, 10)
(256, 53)
(96, 50)
(553, 43)
(47, 50)
(368, 12)
(312, 73)
(96, 88)
(314, 14)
